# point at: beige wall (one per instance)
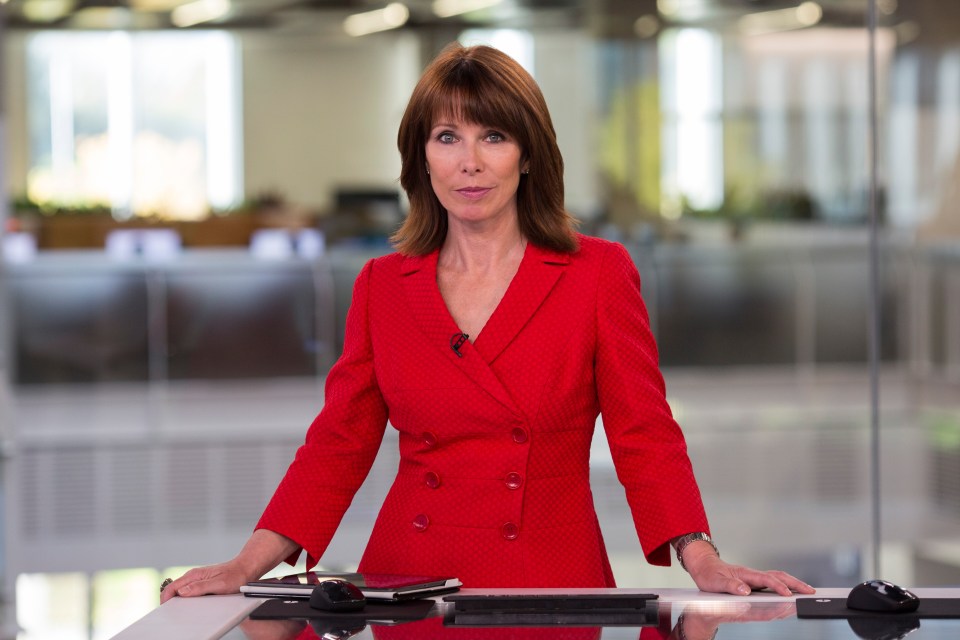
(14, 97)
(566, 70)
(318, 113)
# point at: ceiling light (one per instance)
(101, 18)
(809, 14)
(199, 11)
(449, 8)
(685, 9)
(46, 10)
(887, 7)
(668, 7)
(806, 14)
(646, 26)
(391, 16)
(907, 31)
(156, 5)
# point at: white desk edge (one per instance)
(210, 617)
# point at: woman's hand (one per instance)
(702, 620)
(711, 573)
(263, 551)
(226, 577)
(275, 629)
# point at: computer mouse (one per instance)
(337, 595)
(882, 596)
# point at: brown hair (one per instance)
(483, 85)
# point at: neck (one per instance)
(481, 251)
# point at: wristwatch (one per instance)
(684, 540)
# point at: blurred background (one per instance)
(190, 187)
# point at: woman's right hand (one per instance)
(226, 577)
(263, 551)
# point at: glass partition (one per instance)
(729, 146)
(744, 184)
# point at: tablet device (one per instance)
(374, 586)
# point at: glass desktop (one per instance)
(700, 621)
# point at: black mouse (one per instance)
(337, 595)
(882, 596)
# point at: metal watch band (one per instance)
(684, 540)
(683, 636)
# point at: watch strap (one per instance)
(684, 540)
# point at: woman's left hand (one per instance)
(711, 573)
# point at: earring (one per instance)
(525, 171)
(428, 170)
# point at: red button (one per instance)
(432, 479)
(519, 435)
(421, 522)
(429, 440)
(513, 480)
(510, 531)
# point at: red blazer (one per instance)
(493, 482)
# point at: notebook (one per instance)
(375, 586)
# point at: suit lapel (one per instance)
(536, 277)
(419, 279)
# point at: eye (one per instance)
(496, 136)
(445, 137)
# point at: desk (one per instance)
(766, 616)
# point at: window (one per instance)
(145, 124)
(515, 43)
(693, 133)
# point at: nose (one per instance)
(471, 161)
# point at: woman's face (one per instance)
(474, 170)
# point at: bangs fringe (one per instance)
(469, 96)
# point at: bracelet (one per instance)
(683, 541)
(682, 636)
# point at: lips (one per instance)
(473, 193)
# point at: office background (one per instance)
(154, 386)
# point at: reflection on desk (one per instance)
(696, 621)
(683, 614)
(433, 628)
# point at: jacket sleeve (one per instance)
(648, 448)
(340, 445)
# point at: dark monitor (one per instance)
(352, 199)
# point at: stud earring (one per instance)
(428, 170)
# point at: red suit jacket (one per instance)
(493, 482)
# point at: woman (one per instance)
(491, 340)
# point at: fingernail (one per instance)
(184, 591)
(743, 590)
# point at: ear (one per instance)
(524, 164)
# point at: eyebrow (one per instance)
(452, 125)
